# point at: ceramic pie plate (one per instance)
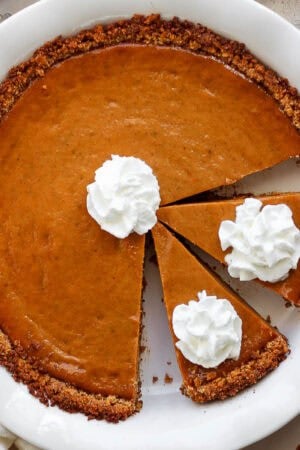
(168, 420)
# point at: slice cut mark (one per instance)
(263, 348)
(200, 222)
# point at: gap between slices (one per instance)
(263, 347)
(200, 222)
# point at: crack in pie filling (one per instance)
(202, 112)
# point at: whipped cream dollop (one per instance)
(265, 242)
(124, 197)
(209, 330)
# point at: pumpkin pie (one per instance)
(200, 222)
(262, 349)
(162, 91)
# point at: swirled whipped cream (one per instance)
(209, 330)
(124, 197)
(265, 242)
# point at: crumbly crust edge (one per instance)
(53, 392)
(204, 389)
(156, 31)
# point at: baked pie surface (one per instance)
(263, 347)
(200, 222)
(56, 135)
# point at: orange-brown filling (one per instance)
(182, 278)
(200, 224)
(70, 293)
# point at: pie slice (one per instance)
(199, 223)
(263, 348)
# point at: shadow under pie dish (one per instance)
(68, 120)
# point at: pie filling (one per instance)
(71, 293)
(199, 223)
(180, 285)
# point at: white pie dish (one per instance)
(168, 420)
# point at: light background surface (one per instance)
(288, 438)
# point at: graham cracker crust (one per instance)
(151, 30)
(204, 389)
(53, 392)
